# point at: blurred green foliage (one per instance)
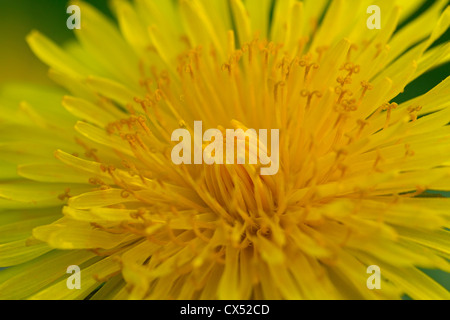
(17, 19)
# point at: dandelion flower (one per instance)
(95, 185)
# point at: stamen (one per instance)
(366, 86)
(388, 107)
(91, 154)
(65, 195)
(248, 47)
(349, 105)
(188, 69)
(342, 92)
(321, 50)
(227, 66)
(362, 124)
(378, 159)
(413, 112)
(343, 81)
(351, 68)
(308, 68)
(285, 66)
(124, 194)
(96, 181)
(279, 84)
(309, 95)
(353, 47)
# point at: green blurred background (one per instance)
(17, 19)
(18, 63)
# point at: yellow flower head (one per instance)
(96, 187)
